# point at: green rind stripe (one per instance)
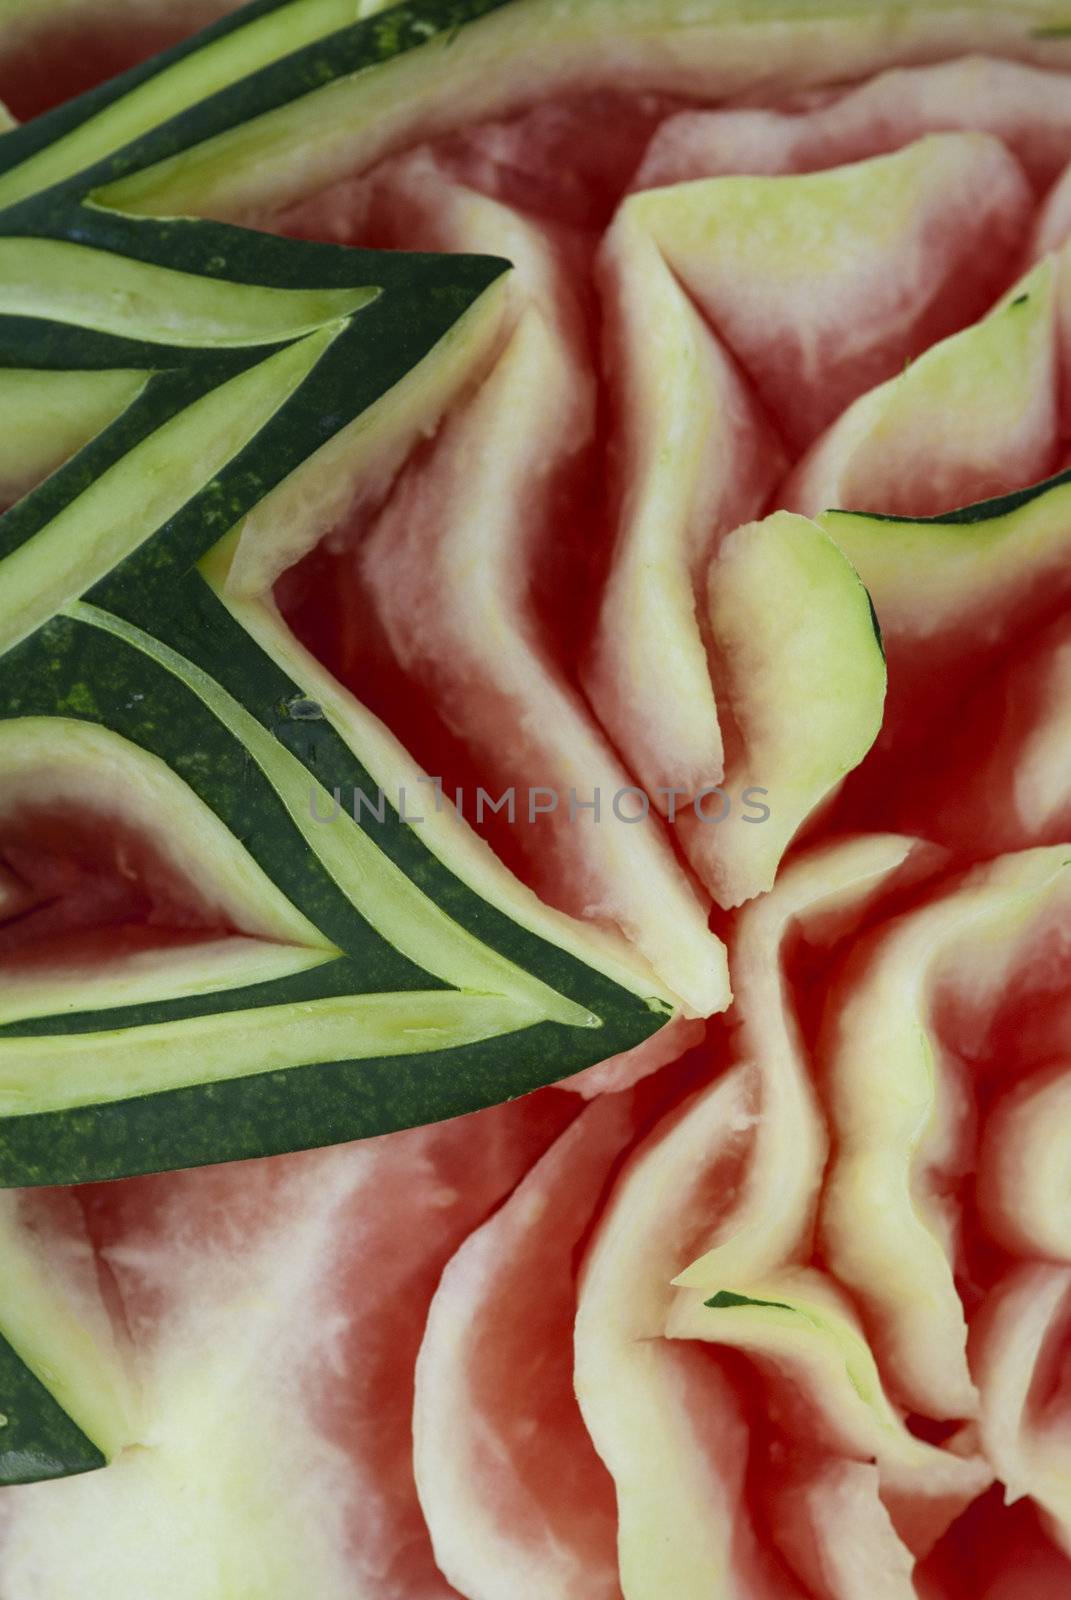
(38, 1440)
(979, 511)
(325, 980)
(117, 512)
(57, 281)
(277, 1112)
(28, 165)
(386, 898)
(200, 972)
(727, 1299)
(45, 1074)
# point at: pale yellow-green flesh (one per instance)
(675, 1448)
(896, 1115)
(52, 1317)
(62, 282)
(127, 503)
(389, 900)
(211, 966)
(650, 679)
(46, 416)
(774, 1210)
(45, 1074)
(803, 678)
(808, 231)
(927, 576)
(997, 379)
(710, 53)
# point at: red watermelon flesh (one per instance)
(1025, 107)
(1001, 781)
(281, 1303)
(996, 1550)
(576, 560)
(46, 58)
(84, 882)
(526, 1504)
(322, 1276)
(448, 569)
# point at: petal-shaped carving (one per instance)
(893, 452)
(259, 1353)
(1023, 1167)
(1019, 1352)
(900, 1108)
(822, 285)
(1024, 107)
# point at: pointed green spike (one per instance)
(387, 974)
(37, 1438)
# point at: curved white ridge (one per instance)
(898, 1109)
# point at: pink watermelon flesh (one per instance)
(1025, 107)
(401, 658)
(525, 1501)
(418, 1292)
(1007, 730)
(48, 59)
(315, 1271)
(85, 887)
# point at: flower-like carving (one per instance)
(746, 486)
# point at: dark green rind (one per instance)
(725, 1300)
(876, 625)
(383, 342)
(74, 670)
(71, 669)
(302, 1107)
(365, 44)
(979, 511)
(18, 144)
(37, 1439)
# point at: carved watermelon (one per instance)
(534, 826)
